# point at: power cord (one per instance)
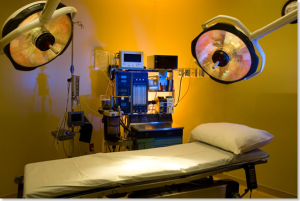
(237, 196)
(180, 86)
(179, 90)
(186, 91)
(64, 118)
(65, 149)
(125, 127)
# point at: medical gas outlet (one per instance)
(191, 72)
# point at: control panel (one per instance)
(139, 81)
(134, 84)
(123, 88)
(250, 176)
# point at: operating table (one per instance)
(140, 173)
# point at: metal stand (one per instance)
(73, 97)
(127, 143)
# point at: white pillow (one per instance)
(231, 137)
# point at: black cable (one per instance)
(179, 91)
(65, 149)
(250, 193)
(64, 118)
(66, 108)
(129, 132)
(109, 148)
(63, 142)
(124, 126)
(185, 92)
(180, 86)
(246, 191)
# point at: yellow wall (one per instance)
(267, 102)
(33, 103)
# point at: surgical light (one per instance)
(288, 7)
(227, 53)
(37, 33)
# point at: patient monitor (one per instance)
(75, 118)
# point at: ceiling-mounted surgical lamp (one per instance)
(37, 33)
(227, 53)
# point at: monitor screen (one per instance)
(131, 60)
(132, 57)
(75, 118)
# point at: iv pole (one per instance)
(74, 96)
(72, 84)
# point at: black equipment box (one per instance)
(162, 62)
(150, 118)
(158, 130)
(154, 126)
(154, 130)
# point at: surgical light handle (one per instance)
(48, 13)
(253, 37)
(232, 19)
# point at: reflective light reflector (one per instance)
(40, 45)
(225, 53)
(23, 49)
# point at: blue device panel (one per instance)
(139, 83)
(123, 88)
(134, 84)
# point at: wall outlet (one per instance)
(193, 72)
(180, 72)
(200, 73)
(92, 148)
(186, 72)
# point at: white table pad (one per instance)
(72, 175)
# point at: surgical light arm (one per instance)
(46, 16)
(253, 37)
